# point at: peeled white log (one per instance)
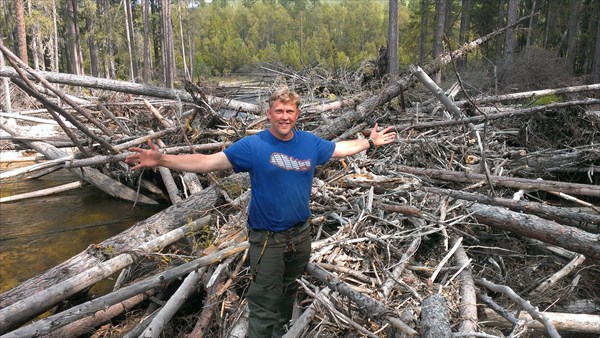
(565, 322)
(43, 192)
(165, 315)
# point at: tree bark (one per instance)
(147, 69)
(21, 32)
(570, 238)
(392, 49)
(434, 321)
(510, 182)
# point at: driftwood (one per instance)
(565, 322)
(86, 325)
(511, 182)
(43, 192)
(551, 232)
(434, 317)
(548, 325)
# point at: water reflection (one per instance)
(37, 234)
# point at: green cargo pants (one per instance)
(275, 270)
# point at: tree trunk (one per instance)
(596, 62)
(91, 41)
(423, 30)
(21, 33)
(73, 40)
(511, 36)
(572, 32)
(501, 23)
(570, 238)
(531, 31)
(465, 25)
(5, 85)
(393, 68)
(438, 35)
(167, 44)
(147, 70)
(186, 71)
(130, 40)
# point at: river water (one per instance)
(37, 234)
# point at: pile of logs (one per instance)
(481, 220)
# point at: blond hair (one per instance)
(285, 95)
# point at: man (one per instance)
(281, 162)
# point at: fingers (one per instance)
(152, 145)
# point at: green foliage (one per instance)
(221, 36)
(546, 99)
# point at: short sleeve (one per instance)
(240, 155)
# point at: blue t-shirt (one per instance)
(281, 175)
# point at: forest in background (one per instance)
(162, 41)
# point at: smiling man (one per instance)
(281, 162)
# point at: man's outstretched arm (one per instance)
(197, 163)
(351, 147)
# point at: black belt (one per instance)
(296, 227)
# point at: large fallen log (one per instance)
(173, 217)
(132, 88)
(108, 185)
(43, 326)
(37, 303)
(434, 317)
(532, 226)
(564, 322)
(558, 214)
(509, 182)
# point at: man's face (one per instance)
(283, 118)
